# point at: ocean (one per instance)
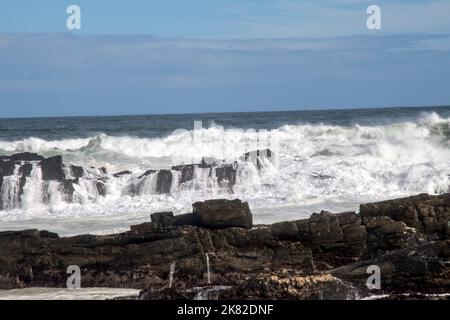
(325, 160)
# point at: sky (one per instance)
(143, 57)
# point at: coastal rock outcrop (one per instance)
(50, 174)
(426, 214)
(421, 269)
(71, 183)
(326, 256)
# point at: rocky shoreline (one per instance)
(323, 257)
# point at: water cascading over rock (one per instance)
(28, 180)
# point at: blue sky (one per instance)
(222, 55)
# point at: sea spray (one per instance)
(33, 189)
(9, 191)
(171, 273)
(209, 293)
(208, 269)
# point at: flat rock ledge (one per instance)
(323, 257)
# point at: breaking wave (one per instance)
(318, 165)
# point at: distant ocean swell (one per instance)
(316, 164)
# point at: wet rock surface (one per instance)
(223, 213)
(53, 175)
(77, 184)
(324, 257)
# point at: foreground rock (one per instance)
(211, 214)
(223, 214)
(323, 257)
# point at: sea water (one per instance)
(326, 160)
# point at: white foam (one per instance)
(67, 294)
(432, 118)
(9, 191)
(38, 145)
(33, 189)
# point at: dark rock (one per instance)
(101, 188)
(429, 214)
(48, 234)
(421, 269)
(77, 172)
(352, 227)
(122, 173)
(52, 169)
(7, 168)
(147, 173)
(208, 162)
(340, 234)
(164, 181)
(67, 189)
(354, 232)
(223, 213)
(385, 225)
(24, 156)
(226, 175)
(26, 169)
(325, 228)
(325, 256)
(145, 227)
(162, 219)
(22, 234)
(187, 172)
(348, 218)
(385, 234)
(285, 230)
(188, 219)
(304, 231)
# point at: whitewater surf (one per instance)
(324, 160)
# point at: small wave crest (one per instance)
(431, 119)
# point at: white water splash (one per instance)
(67, 294)
(171, 273)
(321, 167)
(9, 191)
(207, 268)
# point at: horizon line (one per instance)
(203, 38)
(225, 112)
